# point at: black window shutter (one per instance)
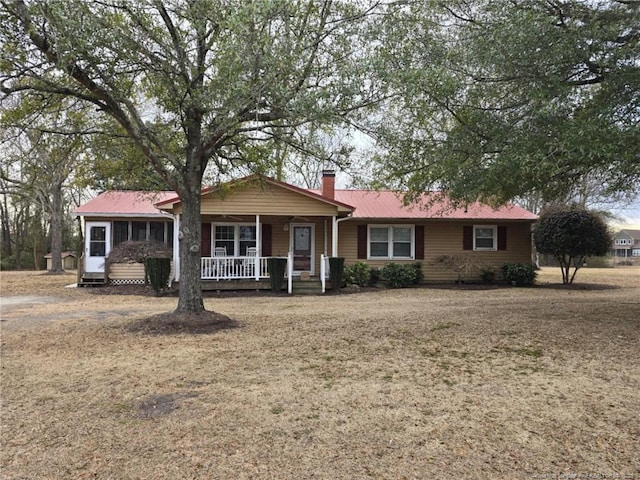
(419, 247)
(362, 241)
(502, 238)
(266, 240)
(205, 240)
(467, 237)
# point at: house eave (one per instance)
(444, 219)
(124, 215)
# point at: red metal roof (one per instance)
(388, 205)
(368, 204)
(124, 203)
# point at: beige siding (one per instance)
(126, 271)
(129, 271)
(445, 238)
(269, 200)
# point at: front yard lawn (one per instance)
(426, 383)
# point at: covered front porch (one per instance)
(253, 222)
(236, 250)
(252, 272)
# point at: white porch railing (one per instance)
(233, 268)
(324, 271)
(290, 272)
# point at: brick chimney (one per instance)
(329, 184)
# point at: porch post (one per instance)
(334, 236)
(324, 230)
(83, 233)
(256, 266)
(176, 247)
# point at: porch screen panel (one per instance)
(138, 231)
(120, 232)
(156, 231)
(169, 241)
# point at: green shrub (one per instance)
(522, 274)
(157, 271)
(358, 275)
(419, 273)
(398, 276)
(374, 276)
(487, 275)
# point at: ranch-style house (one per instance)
(246, 221)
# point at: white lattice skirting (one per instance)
(126, 281)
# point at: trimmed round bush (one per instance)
(398, 276)
(358, 274)
(521, 274)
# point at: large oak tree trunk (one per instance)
(190, 296)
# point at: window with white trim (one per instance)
(391, 242)
(635, 252)
(485, 237)
(236, 238)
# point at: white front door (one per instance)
(302, 241)
(97, 245)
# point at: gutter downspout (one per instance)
(81, 268)
(334, 233)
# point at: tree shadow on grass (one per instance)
(172, 323)
(577, 286)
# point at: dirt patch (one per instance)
(154, 406)
(182, 323)
(20, 300)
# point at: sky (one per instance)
(629, 215)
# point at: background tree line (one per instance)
(496, 101)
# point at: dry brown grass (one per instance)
(423, 383)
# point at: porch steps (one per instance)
(307, 287)
(92, 280)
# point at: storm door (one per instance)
(302, 247)
(97, 245)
